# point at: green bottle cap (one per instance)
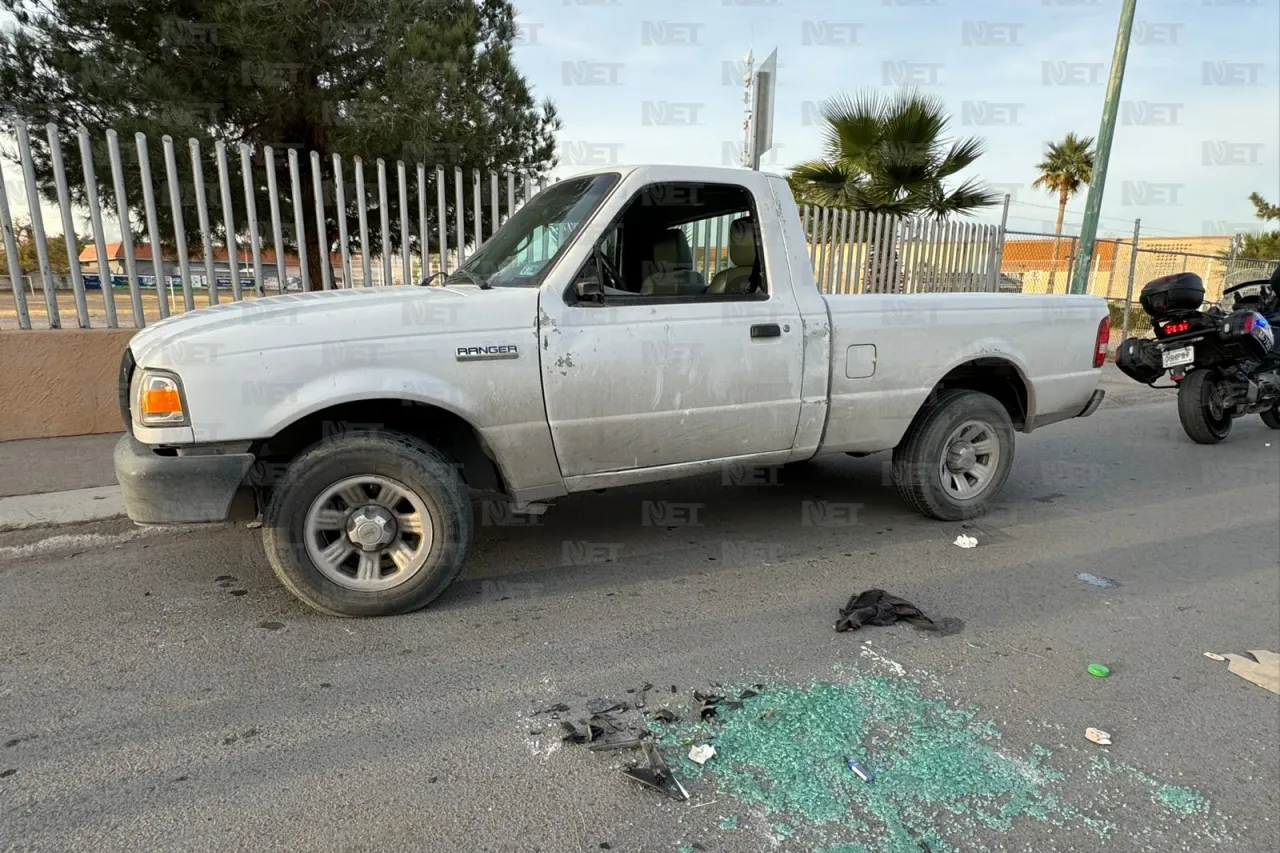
(1099, 670)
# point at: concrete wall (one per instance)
(60, 382)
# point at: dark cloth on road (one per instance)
(877, 607)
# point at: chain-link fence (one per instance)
(1033, 263)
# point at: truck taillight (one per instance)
(1104, 341)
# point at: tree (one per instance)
(1264, 245)
(429, 81)
(29, 259)
(888, 154)
(1067, 166)
(1266, 212)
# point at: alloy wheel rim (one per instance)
(368, 533)
(970, 460)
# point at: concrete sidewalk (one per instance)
(52, 481)
(40, 465)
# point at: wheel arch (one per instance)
(440, 427)
(998, 376)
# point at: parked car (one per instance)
(578, 349)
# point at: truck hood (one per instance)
(326, 317)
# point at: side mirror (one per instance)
(589, 289)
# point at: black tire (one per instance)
(1195, 409)
(1271, 417)
(919, 458)
(427, 473)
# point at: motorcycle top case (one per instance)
(1182, 291)
(1140, 360)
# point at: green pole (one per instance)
(1110, 107)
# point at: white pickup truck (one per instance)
(577, 349)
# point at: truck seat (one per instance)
(742, 256)
(674, 274)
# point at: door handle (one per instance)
(767, 330)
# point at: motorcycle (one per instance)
(1224, 361)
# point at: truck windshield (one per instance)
(523, 247)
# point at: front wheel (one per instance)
(956, 455)
(1204, 419)
(1271, 417)
(370, 524)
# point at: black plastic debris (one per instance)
(604, 706)
(611, 745)
(710, 703)
(554, 709)
(606, 721)
(646, 777)
(877, 607)
(664, 715)
(657, 775)
(581, 732)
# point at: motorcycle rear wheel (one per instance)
(1203, 420)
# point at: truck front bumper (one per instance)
(191, 489)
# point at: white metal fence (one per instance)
(856, 252)
(428, 218)
(427, 221)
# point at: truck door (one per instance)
(692, 353)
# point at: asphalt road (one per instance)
(144, 705)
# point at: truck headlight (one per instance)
(161, 401)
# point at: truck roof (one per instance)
(675, 172)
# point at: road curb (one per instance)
(21, 512)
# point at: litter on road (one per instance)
(861, 772)
(1106, 583)
(1262, 669)
(702, 753)
(1097, 736)
(877, 607)
(1099, 670)
(1214, 656)
(963, 541)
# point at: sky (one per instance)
(1199, 125)
(660, 81)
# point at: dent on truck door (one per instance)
(683, 362)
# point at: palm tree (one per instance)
(887, 154)
(1067, 166)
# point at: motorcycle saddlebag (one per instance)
(1183, 291)
(1140, 360)
(1252, 331)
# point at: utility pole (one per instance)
(1110, 107)
(747, 78)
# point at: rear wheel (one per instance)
(956, 455)
(369, 524)
(1204, 419)
(1271, 417)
